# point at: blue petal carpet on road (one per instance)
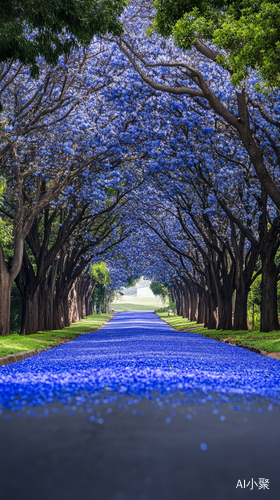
(137, 354)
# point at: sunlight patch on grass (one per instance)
(14, 344)
(132, 303)
(178, 322)
(133, 307)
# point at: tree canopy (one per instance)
(159, 289)
(100, 273)
(245, 32)
(49, 28)
(137, 154)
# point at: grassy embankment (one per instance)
(14, 344)
(269, 342)
(132, 303)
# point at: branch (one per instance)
(264, 113)
(160, 86)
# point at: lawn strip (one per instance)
(179, 323)
(15, 344)
(132, 307)
(267, 342)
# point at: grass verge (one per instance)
(133, 303)
(13, 344)
(269, 342)
(132, 307)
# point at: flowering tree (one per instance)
(149, 158)
(198, 74)
(52, 130)
(217, 111)
(245, 32)
(49, 29)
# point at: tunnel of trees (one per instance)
(146, 143)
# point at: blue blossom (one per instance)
(133, 354)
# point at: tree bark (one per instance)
(211, 307)
(269, 312)
(201, 307)
(30, 313)
(185, 301)
(240, 310)
(177, 299)
(47, 297)
(7, 276)
(224, 312)
(5, 294)
(193, 302)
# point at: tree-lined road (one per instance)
(99, 436)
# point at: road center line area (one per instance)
(139, 411)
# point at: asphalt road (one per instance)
(65, 456)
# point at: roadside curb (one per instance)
(255, 349)
(13, 358)
(245, 346)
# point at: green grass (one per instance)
(132, 307)
(269, 342)
(132, 303)
(178, 322)
(13, 344)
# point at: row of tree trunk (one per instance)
(214, 289)
(199, 305)
(54, 303)
(223, 305)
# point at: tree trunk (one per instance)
(58, 315)
(177, 299)
(61, 308)
(269, 313)
(224, 290)
(75, 313)
(187, 297)
(245, 266)
(5, 296)
(240, 310)
(225, 313)
(71, 305)
(193, 303)
(47, 297)
(201, 307)
(46, 305)
(88, 299)
(181, 302)
(182, 311)
(30, 313)
(211, 307)
(185, 302)
(7, 278)
(66, 309)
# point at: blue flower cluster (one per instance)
(138, 354)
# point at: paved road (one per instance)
(139, 411)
